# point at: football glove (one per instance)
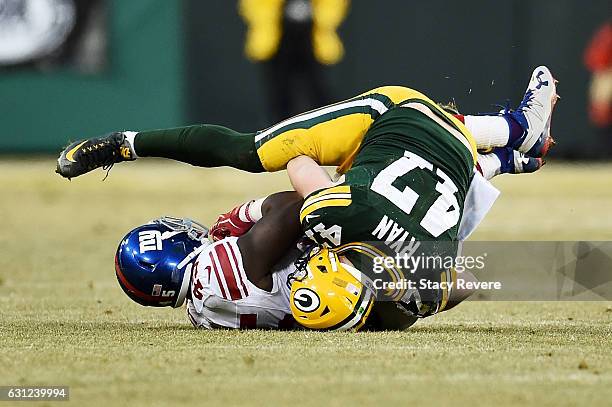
(232, 223)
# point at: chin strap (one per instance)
(191, 256)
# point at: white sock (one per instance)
(488, 131)
(489, 164)
(129, 137)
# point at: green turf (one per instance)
(64, 320)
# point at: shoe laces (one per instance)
(526, 102)
(108, 169)
(505, 109)
(499, 109)
(102, 155)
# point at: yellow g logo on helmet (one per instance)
(330, 294)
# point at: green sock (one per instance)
(201, 145)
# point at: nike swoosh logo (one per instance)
(70, 153)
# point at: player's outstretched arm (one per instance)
(307, 176)
(271, 237)
(243, 217)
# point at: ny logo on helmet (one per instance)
(149, 240)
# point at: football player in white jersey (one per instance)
(244, 278)
(235, 282)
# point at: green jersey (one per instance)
(408, 183)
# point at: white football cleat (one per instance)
(534, 114)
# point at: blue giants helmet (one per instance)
(154, 261)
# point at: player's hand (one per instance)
(230, 224)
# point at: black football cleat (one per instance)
(84, 156)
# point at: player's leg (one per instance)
(527, 128)
(328, 135)
(202, 145)
(493, 131)
(505, 160)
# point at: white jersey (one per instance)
(223, 297)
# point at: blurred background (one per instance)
(71, 69)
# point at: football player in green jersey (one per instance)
(334, 135)
(403, 155)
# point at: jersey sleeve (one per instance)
(219, 272)
(326, 213)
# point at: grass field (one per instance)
(64, 320)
